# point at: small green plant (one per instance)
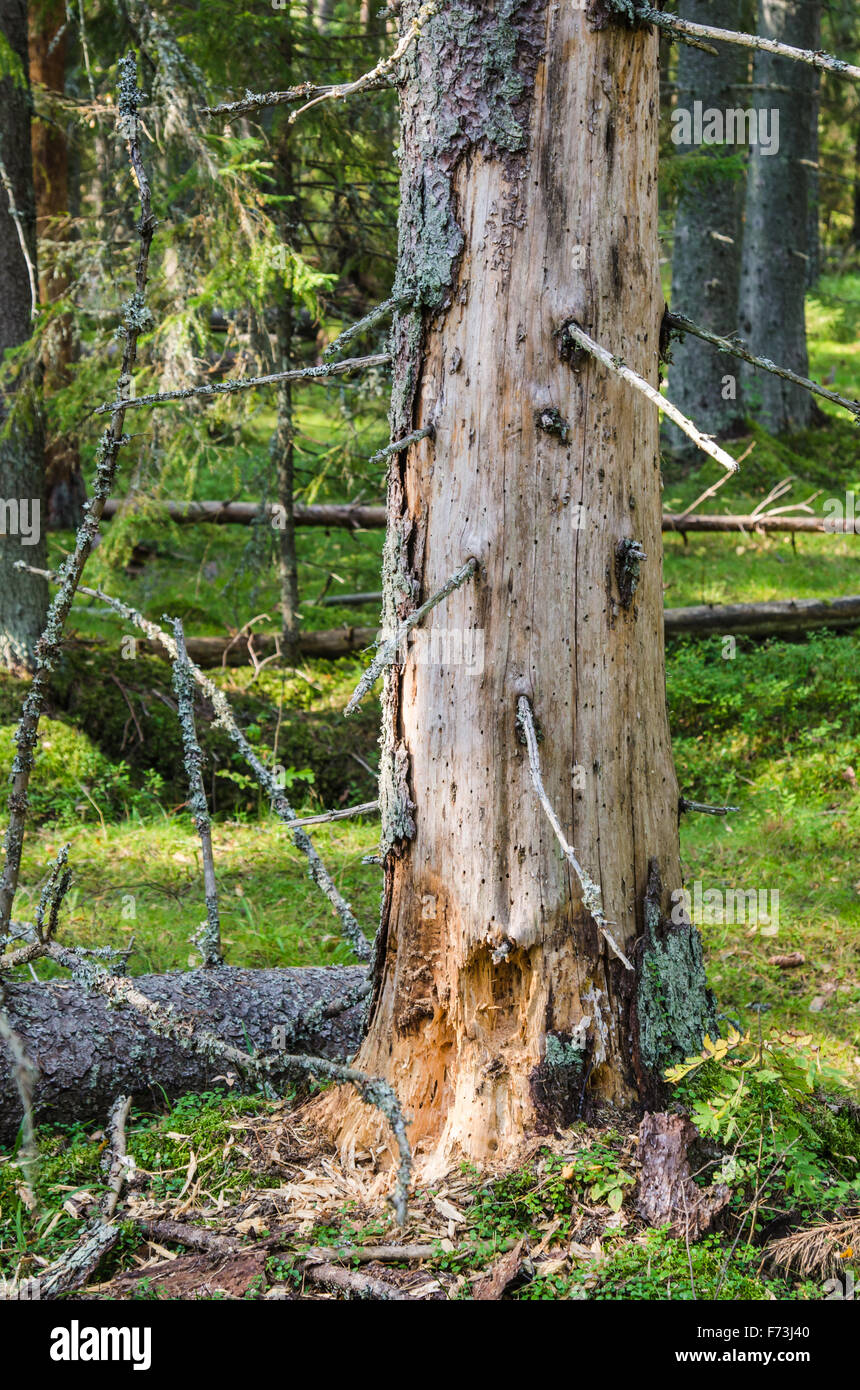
(758, 1098)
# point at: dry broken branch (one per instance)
(620, 369)
(379, 77)
(686, 30)
(679, 323)
(591, 896)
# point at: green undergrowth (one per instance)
(571, 1209)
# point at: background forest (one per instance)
(275, 235)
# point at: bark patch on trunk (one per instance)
(557, 1084)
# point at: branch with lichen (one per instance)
(208, 938)
(136, 320)
(398, 445)
(679, 323)
(312, 1018)
(74, 1267)
(388, 649)
(572, 333)
(250, 383)
(592, 898)
(379, 78)
(369, 321)
(686, 30)
(685, 804)
(226, 720)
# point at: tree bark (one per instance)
(528, 199)
(89, 1053)
(65, 492)
(776, 234)
(706, 257)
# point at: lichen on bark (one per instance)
(467, 85)
(674, 1007)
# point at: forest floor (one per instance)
(774, 730)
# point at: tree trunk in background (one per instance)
(813, 249)
(856, 228)
(65, 492)
(706, 257)
(529, 198)
(776, 234)
(283, 439)
(23, 598)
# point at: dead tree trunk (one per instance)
(706, 254)
(776, 234)
(529, 199)
(23, 599)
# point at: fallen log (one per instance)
(797, 525)
(88, 1052)
(355, 517)
(360, 517)
(773, 618)
(230, 651)
(778, 616)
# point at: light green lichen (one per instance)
(674, 1006)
